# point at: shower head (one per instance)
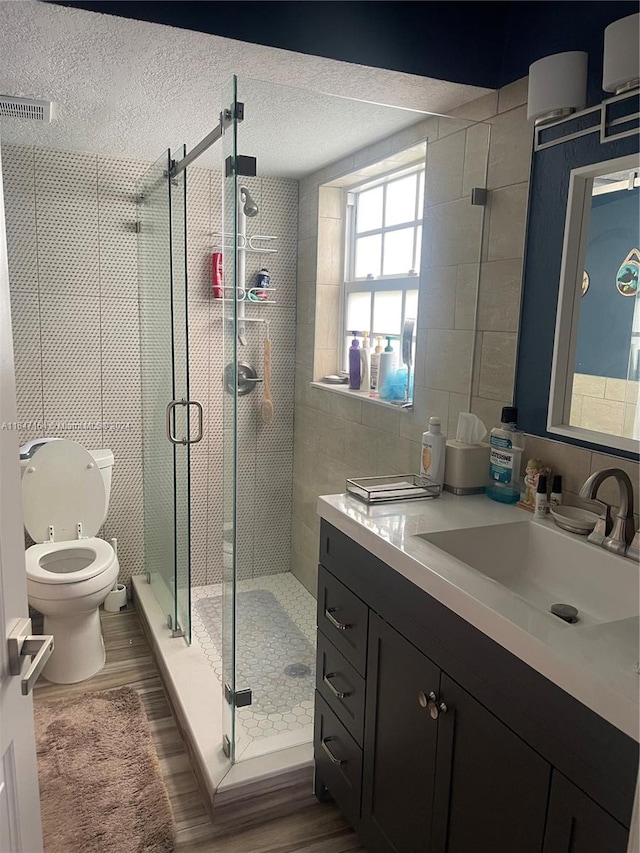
(250, 207)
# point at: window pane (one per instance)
(358, 312)
(398, 252)
(368, 250)
(369, 210)
(387, 312)
(401, 201)
(411, 304)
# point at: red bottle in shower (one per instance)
(217, 277)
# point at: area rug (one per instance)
(101, 789)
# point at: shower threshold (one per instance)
(274, 734)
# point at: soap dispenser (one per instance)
(387, 363)
(354, 364)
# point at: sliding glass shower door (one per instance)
(164, 365)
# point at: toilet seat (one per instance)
(62, 562)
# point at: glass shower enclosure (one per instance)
(166, 408)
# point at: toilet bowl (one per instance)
(65, 493)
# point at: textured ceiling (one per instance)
(129, 88)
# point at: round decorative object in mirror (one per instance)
(585, 282)
(627, 275)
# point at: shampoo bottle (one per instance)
(365, 361)
(505, 457)
(434, 445)
(387, 364)
(375, 368)
(354, 364)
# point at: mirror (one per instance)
(596, 363)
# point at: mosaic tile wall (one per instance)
(75, 311)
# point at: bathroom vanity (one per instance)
(456, 714)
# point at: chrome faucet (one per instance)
(616, 536)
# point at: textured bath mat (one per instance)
(273, 657)
(100, 784)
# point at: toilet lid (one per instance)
(62, 486)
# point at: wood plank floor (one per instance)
(310, 827)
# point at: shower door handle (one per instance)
(186, 440)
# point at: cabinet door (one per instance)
(491, 787)
(400, 744)
(578, 825)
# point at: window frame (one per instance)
(379, 283)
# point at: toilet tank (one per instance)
(104, 460)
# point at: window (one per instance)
(383, 242)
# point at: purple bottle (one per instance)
(354, 364)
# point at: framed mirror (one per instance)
(596, 359)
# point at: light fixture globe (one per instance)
(621, 70)
(557, 86)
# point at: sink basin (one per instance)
(545, 566)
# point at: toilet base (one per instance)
(78, 647)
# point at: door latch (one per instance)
(22, 643)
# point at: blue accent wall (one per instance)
(548, 193)
(606, 316)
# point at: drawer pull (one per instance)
(337, 693)
(332, 758)
(341, 626)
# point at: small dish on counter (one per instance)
(574, 519)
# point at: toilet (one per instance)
(65, 498)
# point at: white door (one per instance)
(20, 826)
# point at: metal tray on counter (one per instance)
(396, 487)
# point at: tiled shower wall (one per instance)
(75, 312)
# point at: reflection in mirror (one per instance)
(601, 267)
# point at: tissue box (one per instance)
(466, 467)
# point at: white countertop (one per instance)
(594, 663)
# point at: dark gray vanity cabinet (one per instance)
(433, 739)
(440, 772)
(578, 825)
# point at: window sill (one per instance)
(360, 395)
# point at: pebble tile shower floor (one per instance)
(277, 618)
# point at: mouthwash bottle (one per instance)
(505, 458)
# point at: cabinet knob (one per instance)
(424, 699)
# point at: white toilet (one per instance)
(65, 496)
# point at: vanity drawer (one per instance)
(341, 687)
(343, 618)
(338, 760)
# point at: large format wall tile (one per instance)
(18, 170)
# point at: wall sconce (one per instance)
(557, 86)
(621, 72)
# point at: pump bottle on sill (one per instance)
(434, 445)
(365, 362)
(387, 364)
(354, 364)
(505, 457)
(375, 368)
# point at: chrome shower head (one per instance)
(250, 207)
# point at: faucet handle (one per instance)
(633, 551)
(603, 524)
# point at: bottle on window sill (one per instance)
(365, 361)
(375, 368)
(354, 364)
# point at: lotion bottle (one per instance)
(541, 506)
(375, 368)
(365, 361)
(555, 498)
(434, 445)
(387, 364)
